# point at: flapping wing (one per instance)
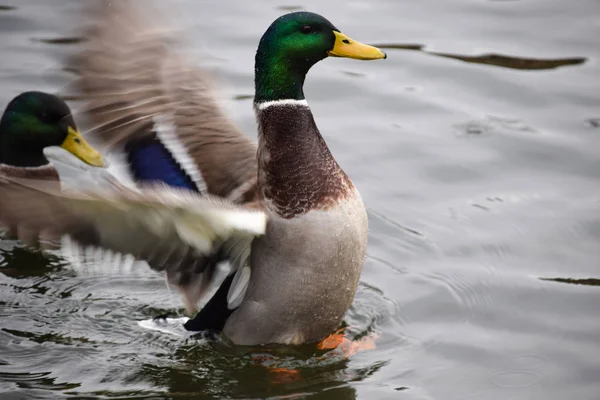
(77, 175)
(45, 173)
(144, 96)
(49, 177)
(172, 229)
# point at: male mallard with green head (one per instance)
(286, 216)
(32, 122)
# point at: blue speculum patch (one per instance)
(150, 161)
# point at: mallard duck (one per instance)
(284, 214)
(32, 123)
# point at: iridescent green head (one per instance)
(33, 121)
(294, 43)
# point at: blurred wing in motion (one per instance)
(152, 103)
(174, 230)
(75, 174)
(48, 176)
(144, 97)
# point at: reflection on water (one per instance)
(588, 282)
(498, 60)
(243, 97)
(21, 262)
(39, 289)
(400, 46)
(294, 375)
(482, 191)
(514, 62)
(61, 40)
(594, 122)
(290, 8)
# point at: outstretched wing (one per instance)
(160, 109)
(50, 178)
(174, 230)
(142, 95)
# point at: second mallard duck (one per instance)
(33, 122)
(287, 218)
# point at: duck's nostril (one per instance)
(346, 41)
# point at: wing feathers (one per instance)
(153, 224)
(129, 76)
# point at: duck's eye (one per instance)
(77, 140)
(306, 29)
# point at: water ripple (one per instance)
(586, 282)
(516, 378)
(493, 59)
(60, 40)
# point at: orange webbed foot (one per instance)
(349, 347)
(279, 375)
(284, 375)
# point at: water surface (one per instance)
(476, 147)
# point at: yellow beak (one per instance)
(346, 47)
(75, 144)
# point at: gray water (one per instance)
(476, 148)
